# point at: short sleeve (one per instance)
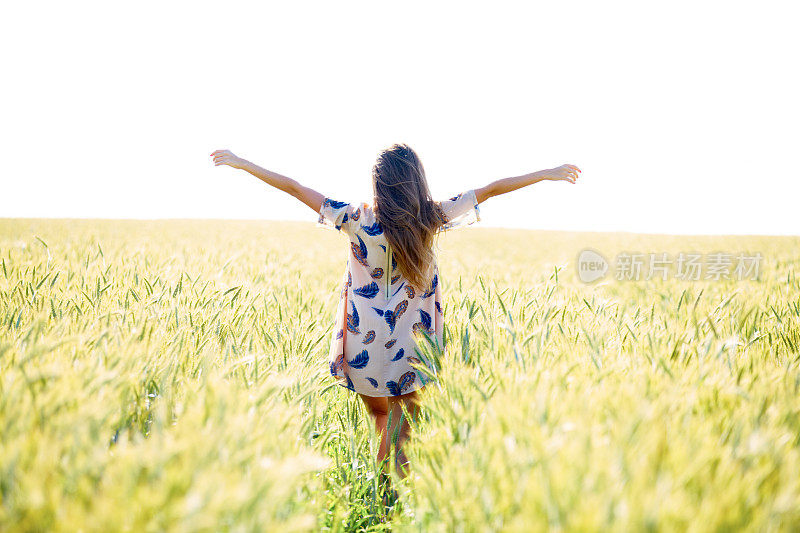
(336, 215)
(461, 210)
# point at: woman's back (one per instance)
(381, 315)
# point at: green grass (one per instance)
(171, 375)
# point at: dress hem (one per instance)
(390, 395)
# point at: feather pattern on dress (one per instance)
(434, 283)
(374, 229)
(401, 385)
(337, 364)
(360, 251)
(424, 323)
(353, 320)
(334, 204)
(367, 291)
(360, 360)
(391, 316)
(398, 288)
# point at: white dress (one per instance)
(380, 317)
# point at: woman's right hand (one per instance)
(568, 173)
(226, 157)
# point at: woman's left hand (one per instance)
(226, 157)
(568, 173)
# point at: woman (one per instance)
(391, 295)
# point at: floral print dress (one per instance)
(380, 316)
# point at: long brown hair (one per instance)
(407, 214)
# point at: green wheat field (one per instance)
(172, 376)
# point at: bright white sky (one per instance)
(683, 115)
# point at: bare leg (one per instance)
(378, 409)
(402, 431)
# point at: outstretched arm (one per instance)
(568, 173)
(308, 196)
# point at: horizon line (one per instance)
(482, 226)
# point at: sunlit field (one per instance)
(172, 376)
